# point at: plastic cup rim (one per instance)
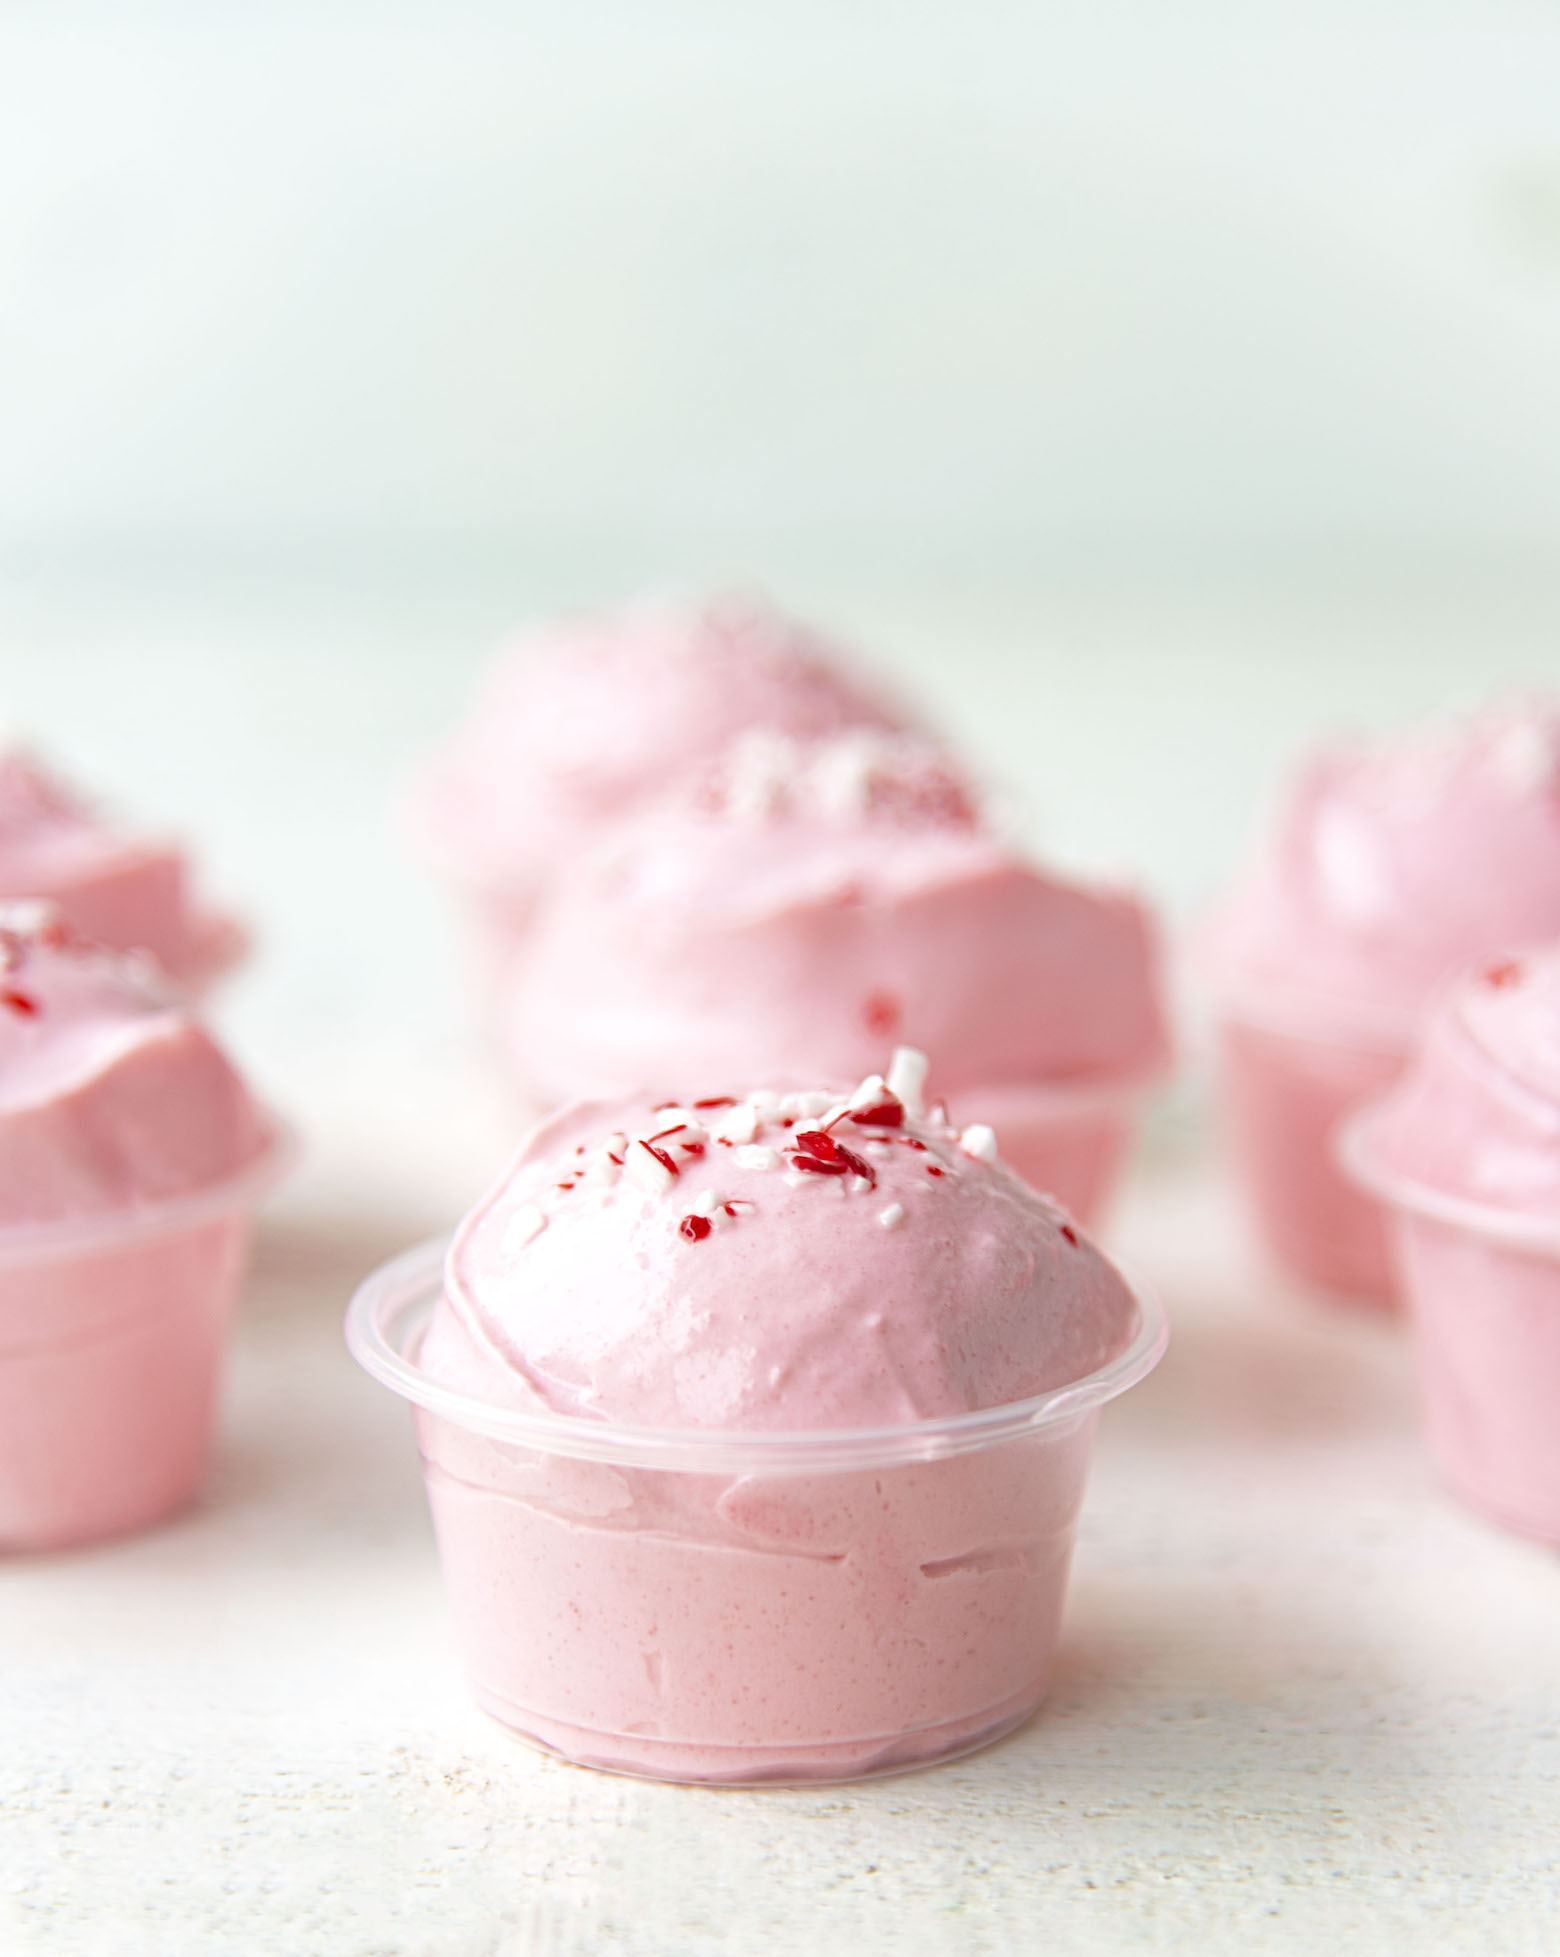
(1359, 1154)
(391, 1307)
(118, 1229)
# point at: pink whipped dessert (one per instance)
(755, 1430)
(118, 888)
(582, 721)
(1465, 1152)
(130, 1156)
(1394, 865)
(802, 903)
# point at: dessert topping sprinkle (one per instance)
(650, 1168)
(907, 1078)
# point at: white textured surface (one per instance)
(1301, 1701)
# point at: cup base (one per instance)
(804, 1764)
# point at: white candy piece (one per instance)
(870, 1094)
(706, 1203)
(980, 1141)
(526, 1224)
(647, 1171)
(807, 1107)
(907, 1079)
(738, 1124)
(756, 1156)
(893, 1216)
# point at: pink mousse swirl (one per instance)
(120, 889)
(781, 1261)
(111, 1095)
(1394, 865)
(803, 903)
(1477, 1116)
(581, 721)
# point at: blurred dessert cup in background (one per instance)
(127, 891)
(1464, 1153)
(799, 904)
(132, 1157)
(580, 722)
(1393, 865)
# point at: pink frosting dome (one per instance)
(803, 904)
(786, 1261)
(582, 720)
(119, 889)
(111, 1094)
(1396, 864)
(1477, 1116)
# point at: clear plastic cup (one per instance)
(1290, 1071)
(738, 1608)
(1483, 1288)
(112, 1329)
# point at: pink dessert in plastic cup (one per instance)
(582, 721)
(127, 891)
(1465, 1154)
(1394, 865)
(797, 905)
(131, 1158)
(744, 1470)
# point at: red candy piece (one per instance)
(661, 1156)
(695, 1228)
(1508, 972)
(716, 1101)
(821, 1155)
(882, 1114)
(19, 1002)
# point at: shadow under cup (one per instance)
(746, 1608)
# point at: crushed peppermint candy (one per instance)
(650, 1168)
(817, 1153)
(979, 1141)
(756, 1156)
(892, 1217)
(695, 1227)
(706, 1202)
(907, 1078)
(739, 1126)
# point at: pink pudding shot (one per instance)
(800, 904)
(131, 1155)
(127, 891)
(755, 1430)
(1465, 1154)
(580, 722)
(1394, 865)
